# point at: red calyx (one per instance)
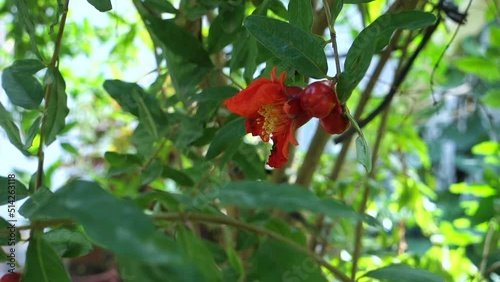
(336, 122)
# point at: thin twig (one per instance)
(333, 36)
(54, 62)
(253, 228)
(366, 193)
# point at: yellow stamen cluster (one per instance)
(275, 119)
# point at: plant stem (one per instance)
(253, 228)
(366, 193)
(333, 35)
(54, 62)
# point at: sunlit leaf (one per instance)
(403, 272)
(483, 67)
(32, 132)
(363, 153)
(12, 131)
(492, 98)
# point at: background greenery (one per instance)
(150, 168)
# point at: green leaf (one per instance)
(57, 108)
(264, 195)
(166, 199)
(363, 153)
(336, 9)
(249, 161)
(132, 270)
(178, 176)
(199, 254)
(492, 98)
(244, 54)
(229, 136)
(403, 272)
(68, 243)
(27, 66)
(301, 14)
(13, 190)
(151, 173)
(113, 223)
(24, 90)
(28, 23)
(123, 93)
(235, 261)
(32, 132)
(101, 5)
(371, 40)
(145, 116)
(484, 68)
(277, 261)
(162, 6)
(218, 38)
(12, 130)
(179, 41)
(42, 263)
(299, 49)
(39, 198)
(7, 239)
(232, 16)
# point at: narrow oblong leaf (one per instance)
(32, 132)
(101, 5)
(371, 40)
(227, 137)
(145, 115)
(297, 48)
(57, 108)
(286, 197)
(28, 23)
(42, 263)
(301, 14)
(123, 91)
(336, 8)
(12, 130)
(403, 272)
(179, 41)
(363, 153)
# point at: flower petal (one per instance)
(248, 101)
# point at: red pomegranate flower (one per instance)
(272, 111)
